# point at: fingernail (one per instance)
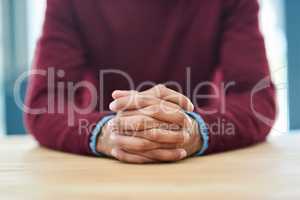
(113, 106)
(114, 153)
(118, 93)
(183, 154)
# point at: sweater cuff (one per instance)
(96, 133)
(203, 131)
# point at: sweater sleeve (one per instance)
(61, 109)
(245, 113)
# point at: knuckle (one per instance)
(160, 89)
(177, 155)
(163, 87)
(160, 86)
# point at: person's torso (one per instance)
(151, 41)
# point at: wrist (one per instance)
(196, 135)
(202, 133)
(100, 146)
(96, 134)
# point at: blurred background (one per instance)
(20, 26)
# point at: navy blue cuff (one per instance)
(203, 131)
(96, 133)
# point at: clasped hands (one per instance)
(150, 127)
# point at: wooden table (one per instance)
(266, 171)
